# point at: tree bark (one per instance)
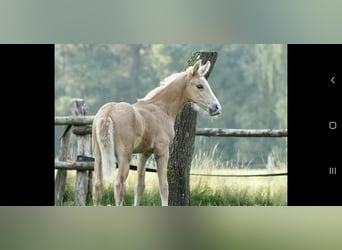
(182, 147)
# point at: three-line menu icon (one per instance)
(332, 171)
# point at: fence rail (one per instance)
(220, 132)
(240, 175)
(241, 132)
(76, 121)
(83, 166)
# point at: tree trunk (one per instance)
(182, 147)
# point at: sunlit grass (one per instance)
(238, 191)
(235, 191)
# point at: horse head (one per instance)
(199, 91)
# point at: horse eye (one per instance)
(199, 86)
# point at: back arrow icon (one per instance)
(332, 79)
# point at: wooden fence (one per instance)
(79, 123)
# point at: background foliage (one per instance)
(249, 80)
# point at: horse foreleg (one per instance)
(162, 177)
(140, 184)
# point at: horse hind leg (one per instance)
(98, 181)
(119, 186)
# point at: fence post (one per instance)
(61, 173)
(80, 108)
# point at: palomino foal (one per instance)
(146, 127)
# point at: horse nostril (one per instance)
(214, 109)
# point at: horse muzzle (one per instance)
(215, 109)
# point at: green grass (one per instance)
(204, 190)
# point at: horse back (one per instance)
(138, 128)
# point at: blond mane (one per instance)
(162, 85)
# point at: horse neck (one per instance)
(171, 98)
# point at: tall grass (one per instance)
(206, 190)
(235, 191)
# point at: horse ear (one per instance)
(205, 68)
(196, 67)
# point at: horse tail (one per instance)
(105, 141)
